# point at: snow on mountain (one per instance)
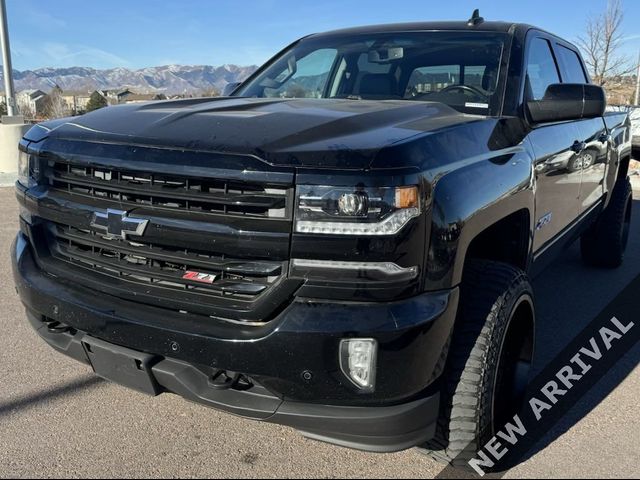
(169, 79)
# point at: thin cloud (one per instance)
(42, 19)
(64, 55)
(20, 50)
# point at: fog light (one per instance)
(358, 362)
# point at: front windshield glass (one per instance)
(460, 69)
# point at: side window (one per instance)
(572, 71)
(310, 77)
(432, 79)
(542, 70)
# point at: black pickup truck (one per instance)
(343, 244)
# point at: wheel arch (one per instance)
(502, 231)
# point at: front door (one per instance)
(557, 182)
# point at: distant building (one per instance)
(146, 97)
(31, 103)
(76, 101)
(116, 96)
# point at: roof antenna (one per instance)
(475, 19)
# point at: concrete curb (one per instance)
(8, 179)
(10, 135)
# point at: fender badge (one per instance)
(199, 277)
(544, 221)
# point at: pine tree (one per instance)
(96, 101)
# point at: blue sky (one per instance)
(141, 33)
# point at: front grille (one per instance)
(162, 266)
(133, 189)
(215, 245)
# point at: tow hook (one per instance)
(223, 380)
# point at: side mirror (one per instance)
(229, 88)
(568, 101)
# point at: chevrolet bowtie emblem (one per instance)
(116, 224)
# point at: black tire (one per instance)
(604, 244)
(492, 345)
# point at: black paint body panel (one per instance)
(473, 172)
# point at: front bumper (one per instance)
(293, 359)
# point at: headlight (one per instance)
(27, 169)
(355, 211)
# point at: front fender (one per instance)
(470, 197)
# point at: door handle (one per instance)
(579, 147)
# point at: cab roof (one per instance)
(501, 27)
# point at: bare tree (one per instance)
(602, 42)
(26, 110)
(54, 104)
(210, 92)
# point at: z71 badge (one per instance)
(544, 221)
(199, 277)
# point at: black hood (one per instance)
(283, 132)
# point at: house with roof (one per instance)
(145, 97)
(76, 101)
(31, 103)
(116, 96)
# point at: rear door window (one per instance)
(572, 70)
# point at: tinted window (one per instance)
(542, 70)
(572, 71)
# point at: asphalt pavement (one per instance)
(58, 420)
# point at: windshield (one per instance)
(460, 69)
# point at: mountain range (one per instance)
(168, 79)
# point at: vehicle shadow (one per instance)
(569, 296)
(38, 398)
